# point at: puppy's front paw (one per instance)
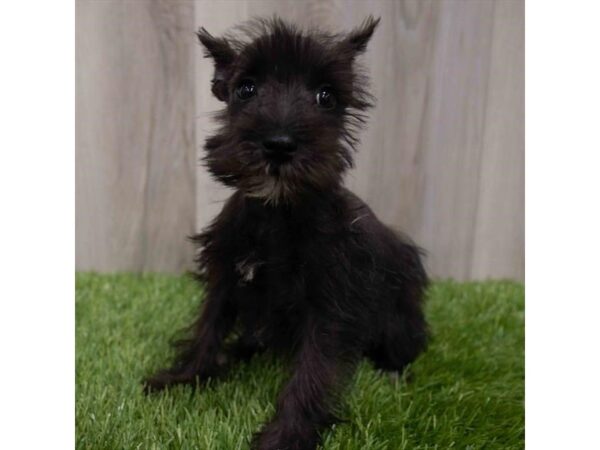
(156, 383)
(277, 436)
(163, 380)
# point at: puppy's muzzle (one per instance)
(279, 147)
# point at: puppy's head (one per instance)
(294, 101)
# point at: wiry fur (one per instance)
(296, 263)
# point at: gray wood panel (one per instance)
(442, 158)
(498, 247)
(135, 144)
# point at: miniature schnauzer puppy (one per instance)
(296, 263)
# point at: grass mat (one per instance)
(467, 393)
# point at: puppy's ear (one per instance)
(223, 56)
(356, 41)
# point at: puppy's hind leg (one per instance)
(403, 336)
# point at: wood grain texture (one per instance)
(498, 247)
(442, 157)
(135, 145)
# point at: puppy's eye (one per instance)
(246, 89)
(325, 98)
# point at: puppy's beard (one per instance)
(269, 187)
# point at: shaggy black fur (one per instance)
(295, 262)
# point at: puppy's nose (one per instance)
(279, 143)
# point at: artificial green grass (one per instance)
(467, 393)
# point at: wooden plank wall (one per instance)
(135, 144)
(442, 158)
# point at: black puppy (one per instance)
(295, 262)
